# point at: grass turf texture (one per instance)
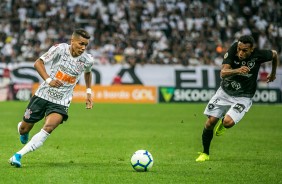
(96, 146)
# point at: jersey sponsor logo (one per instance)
(236, 85)
(236, 62)
(27, 113)
(53, 93)
(246, 75)
(239, 108)
(66, 70)
(65, 77)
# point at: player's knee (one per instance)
(211, 122)
(228, 122)
(25, 128)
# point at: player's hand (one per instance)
(89, 103)
(270, 78)
(243, 70)
(56, 83)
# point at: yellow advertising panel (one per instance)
(116, 94)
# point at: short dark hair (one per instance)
(81, 32)
(247, 39)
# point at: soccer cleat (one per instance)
(15, 160)
(220, 129)
(24, 137)
(202, 157)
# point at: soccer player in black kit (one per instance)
(239, 72)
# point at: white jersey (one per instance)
(65, 68)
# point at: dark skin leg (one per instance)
(211, 122)
(228, 122)
(52, 121)
(207, 134)
(25, 127)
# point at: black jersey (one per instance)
(244, 85)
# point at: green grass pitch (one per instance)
(95, 146)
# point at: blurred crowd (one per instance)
(187, 32)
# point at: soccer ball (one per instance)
(142, 160)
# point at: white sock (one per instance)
(36, 141)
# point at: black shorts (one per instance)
(38, 108)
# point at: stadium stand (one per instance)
(187, 32)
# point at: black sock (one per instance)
(206, 140)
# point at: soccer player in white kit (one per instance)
(239, 72)
(54, 95)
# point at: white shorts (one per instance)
(221, 104)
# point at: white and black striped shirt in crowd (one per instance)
(65, 68)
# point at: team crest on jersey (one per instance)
(27, 113)
(251, 63)
(79, 66)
